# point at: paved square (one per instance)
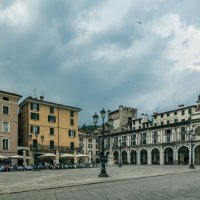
(128, 182)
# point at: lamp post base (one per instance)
(103, 175)
(120, 165)
(191, 166)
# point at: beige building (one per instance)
(46, 126)
(8, 123)
(89, 145)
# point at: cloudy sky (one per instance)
(94, 53)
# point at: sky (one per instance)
(143, 54)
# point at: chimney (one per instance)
(42, 98)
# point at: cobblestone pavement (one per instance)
(138, 182)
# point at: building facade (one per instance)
(168, 138)
(89, 145)
(8, 123)
(48, 126)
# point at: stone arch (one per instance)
(143, 156)
(183, 155)
(116, 157)
(133, 155)
(168, 155)
(124, 157)
(155, 156)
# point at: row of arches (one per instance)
(168, 156)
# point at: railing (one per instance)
(60, 148)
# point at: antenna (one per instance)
(35, 92)
(43, 93)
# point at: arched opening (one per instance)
(183, 155)
(133, 157)
(197, 155)
(124, 157)
(168, 156)
(116, 157)
(143, 157)
(155, 157)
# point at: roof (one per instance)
(31, 99)
(174, 110)
(115, 111)
(10, 93)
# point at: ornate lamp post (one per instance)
(102, 157)
(36, 151)
(192, 137)
(120, 152)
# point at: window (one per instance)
(81, 145)
(71, 122)
(5, 144)
(51, 144)
(35, 106)
(175, 113)
(182, 136)
(35, 129)
(5, 98)
(143, 126)
(155, 117)
(155, 137)
(183, 112)
(35, 116)
(72, 133)
(34, 143)
(51, 118)
(123, 141)
(175, 120)
(168, 138)
(155, 124)
(115, 144)
(161, 123)
(80, 139)
(71, 145)
(143, 138)
(167, 114)
(90, 140)
(51, 109)
(167, 121)
(71, 113)
(89, 145)
(183, 129)
(190, 111)
(5, 126)
(133, 139)
(51, 131)
(6, 110)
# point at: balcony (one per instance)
(49, 148)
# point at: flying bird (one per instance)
(139, 22)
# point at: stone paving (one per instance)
(127, 182)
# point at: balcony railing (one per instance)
(53, 148)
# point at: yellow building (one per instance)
(8, 123)
(48, 126)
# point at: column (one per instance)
(161, 157)
(128, 157)
(138, 157)
(149, 156)
(110, 155)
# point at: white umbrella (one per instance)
(47, 155)
(3, 157)
(67, 155)
(57, 157)
(82, 155)
(75, 157)
(16, 157)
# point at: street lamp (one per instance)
(192, 137)
(120, 152)
(36, 151)
(102, 157)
